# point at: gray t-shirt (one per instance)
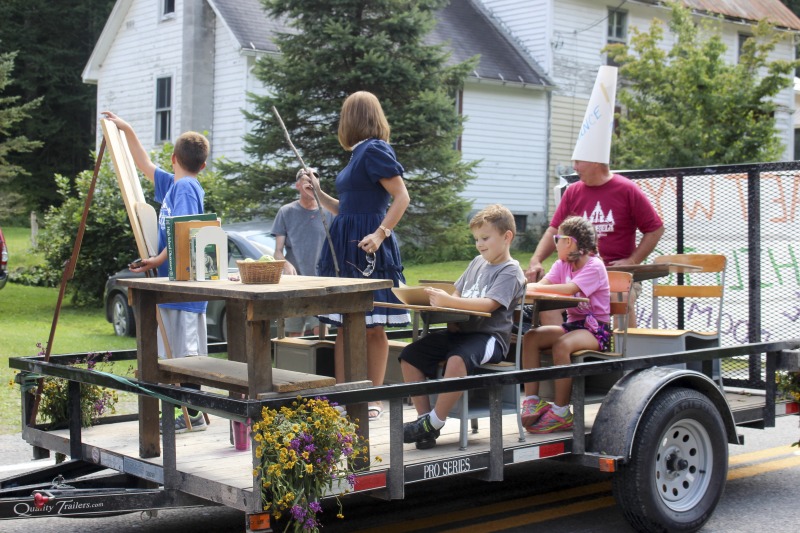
(305, 235)
(502, 283)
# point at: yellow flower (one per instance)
(309, 468)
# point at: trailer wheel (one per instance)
(678, 464)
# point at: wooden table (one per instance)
(249, 310)
(654, 270)
(548, 301)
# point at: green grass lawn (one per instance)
(27, 316)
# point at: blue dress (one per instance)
(362, 206)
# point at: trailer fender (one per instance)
(617, 420)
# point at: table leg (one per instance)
(144, 308)
(355, 363)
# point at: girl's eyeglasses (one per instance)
(367, 272)
(556, 238)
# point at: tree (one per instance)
(12, 113)
(686, 106)
(55, 40)
(335, 49)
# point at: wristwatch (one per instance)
(386, 231)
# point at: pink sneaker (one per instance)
(550, 422)
(532, 411)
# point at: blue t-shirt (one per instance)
(182, 197)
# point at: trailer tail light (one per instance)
(259, 522)
(607, 464)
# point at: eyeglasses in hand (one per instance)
(370, 268)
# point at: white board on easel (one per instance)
(130, 187)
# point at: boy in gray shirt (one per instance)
(492, 283)
(298, 229)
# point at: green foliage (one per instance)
(12, 113)
(55, 40)
(338, 48)
(686, 106)
(107, 244)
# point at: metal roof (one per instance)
(746, 10)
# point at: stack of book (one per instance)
(179, 245)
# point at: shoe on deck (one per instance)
(198, 422)
(421, 432)
(533, 410)
(550, 422)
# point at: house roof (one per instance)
(469, 31)
(461, 25)
(746, 10)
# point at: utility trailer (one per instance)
(662, 431)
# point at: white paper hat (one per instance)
(594, 137)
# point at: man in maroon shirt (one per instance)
(617, 208)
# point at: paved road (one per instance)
(761, 493)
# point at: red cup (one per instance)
(241, 435)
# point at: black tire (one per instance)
(678, 465)
(122, 316)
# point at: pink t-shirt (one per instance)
(592, 280)
(617, 209)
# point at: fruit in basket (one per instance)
(266, 259)
(249, 260)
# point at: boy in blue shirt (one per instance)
(180, 194)
(492, 283)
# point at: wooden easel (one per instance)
(142, 216)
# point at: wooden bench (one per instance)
(232, 375)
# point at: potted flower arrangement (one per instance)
(305, 450)
(95, 401)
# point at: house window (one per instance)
(168, 7)
(163, 109)
(617, 30)
(743, 37)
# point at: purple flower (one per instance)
(310, 448)
(298, 512)
(295, 444)
(315, 506)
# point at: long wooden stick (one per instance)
(319, 204)
(69, 270)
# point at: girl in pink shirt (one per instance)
(577, 272)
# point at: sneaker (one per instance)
(420, 431)
(532, 410)
(550, 422)
(198, 422)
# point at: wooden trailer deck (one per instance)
(209, 466)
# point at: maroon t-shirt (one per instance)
(617, 209)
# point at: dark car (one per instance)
(3, 260)
(247, 239)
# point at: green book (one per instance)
(169, 223)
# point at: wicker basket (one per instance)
(260, 271)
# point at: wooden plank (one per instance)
(307, 306)
(289, 287)
(222, 372)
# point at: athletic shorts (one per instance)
(474, 348)
(603, 333)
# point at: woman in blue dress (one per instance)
(372, 198)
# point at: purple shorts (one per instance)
(603, 333)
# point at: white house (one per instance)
(566, 37)
(172, 65)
